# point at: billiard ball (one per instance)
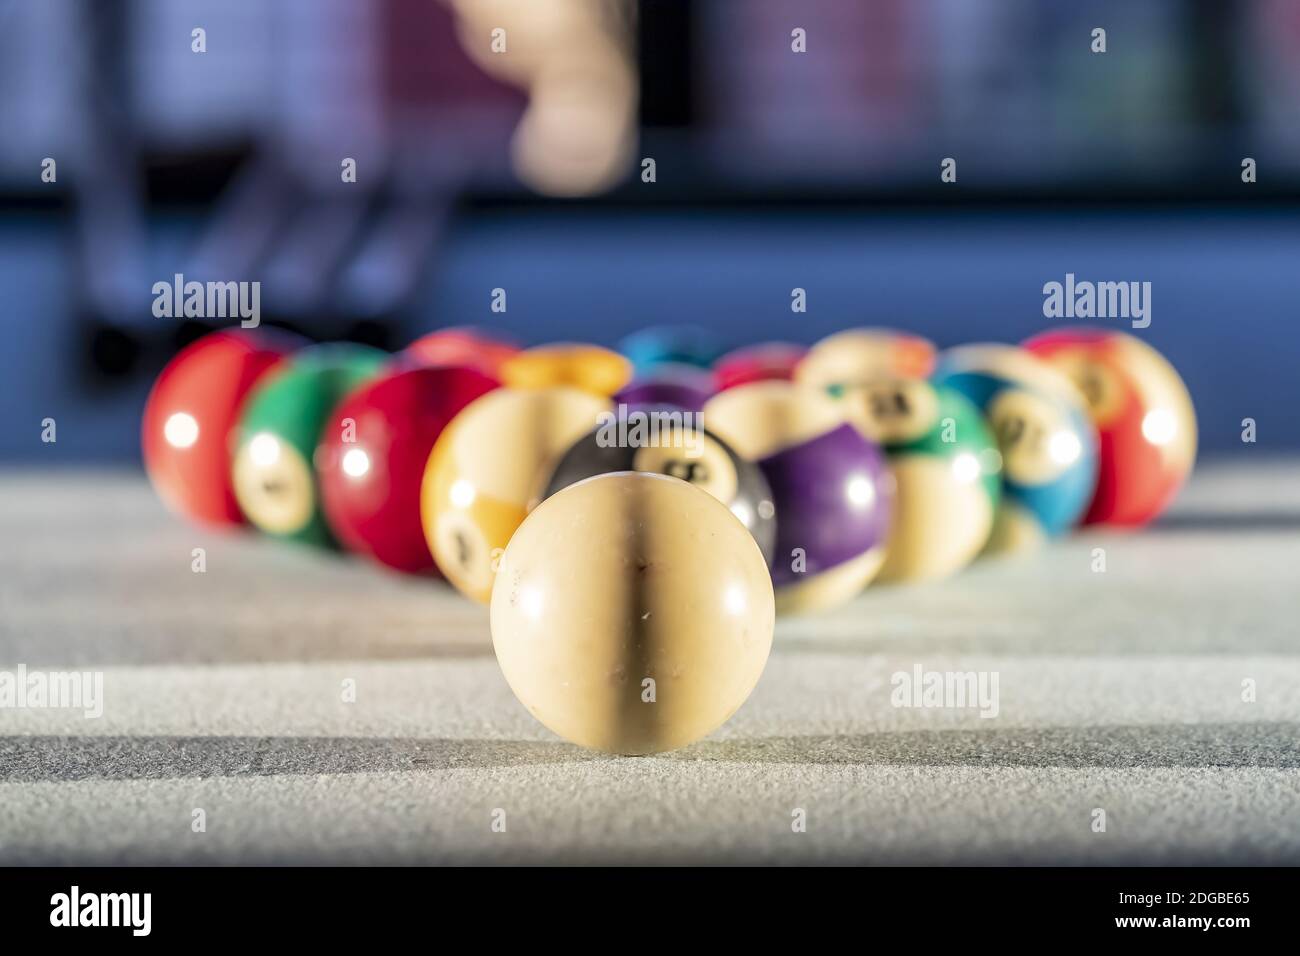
(830, 487)
(372, 455)
(273, 472)
(757, 363)
(673, 443)
(685, 387)
(488, 467)
(671, 345)
(1143, 414)
(858, 356)
(587, 367)
(1047, 442)
(946, 468)
(191, 412)
(632, 613)
(465, 345)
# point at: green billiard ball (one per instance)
(946, 467)
(280, 425)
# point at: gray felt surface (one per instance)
(1119, 690)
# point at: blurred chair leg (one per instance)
(109, 207)
(399, 251)
(254, 210)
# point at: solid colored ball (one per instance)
(684, 387)
(632, 613)
(488, 467)
(464, 345)
(1047, 442)
(586, 367)
(860, 356)
(372, 455)
(1143, 414)
(674, 444)
(947, 473)
(191, 412)
(830, 485)
(764, 362)
(274, 473)
(671, 345)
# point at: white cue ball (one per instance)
(632, 613)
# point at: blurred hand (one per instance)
(574, 60)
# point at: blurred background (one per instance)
(514, 160)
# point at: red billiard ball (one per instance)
(1144, 417)
(372, 455)
(465, 345)
(766, 361)
(190, 415)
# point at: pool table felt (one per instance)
(1119, 690)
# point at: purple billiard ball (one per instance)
(683, 387)
(831, 488)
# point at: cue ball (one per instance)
(273, 473)
(486, 470)
(1048, 444)
(1143, 414)
(190, 416)
(632, 613)
(947, 471)
(679, 449)
(372, 455)
(586, 367)
(830, 485)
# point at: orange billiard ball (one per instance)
(1145, 421)
(468, 345)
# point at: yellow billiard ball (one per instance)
(486, 469)
(586, 367)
